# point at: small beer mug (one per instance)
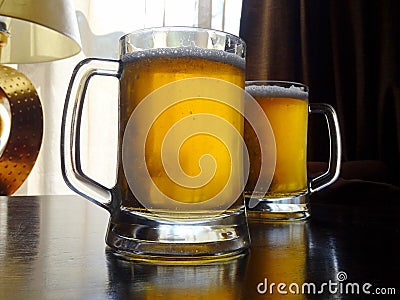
(179, 188)
(286, 197)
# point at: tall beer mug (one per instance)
(179, 188)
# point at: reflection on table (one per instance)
(53, 248)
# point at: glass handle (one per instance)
(335, 149)
(71, 166)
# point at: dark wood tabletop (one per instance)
(52, 247)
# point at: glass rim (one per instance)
(188, 41)
(181, 29)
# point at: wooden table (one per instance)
(52, 247)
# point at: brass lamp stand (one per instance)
(31, 31)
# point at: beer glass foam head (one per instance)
(274, 91)
(191, 52)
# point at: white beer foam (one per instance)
(274, 91)
(193, 52)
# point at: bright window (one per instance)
(102, 23)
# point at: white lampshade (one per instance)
(39, 30)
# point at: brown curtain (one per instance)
(348, 53)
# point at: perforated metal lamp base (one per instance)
(26, 129)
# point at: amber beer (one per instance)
(145, 72)
(287, 112)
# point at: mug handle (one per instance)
(335, 147)
(71, 166)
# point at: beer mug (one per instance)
(179, 188)
(287, 109)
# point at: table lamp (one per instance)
(31, 31)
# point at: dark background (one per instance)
(347, 52)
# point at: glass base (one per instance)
(146, 238)
(293, 208)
